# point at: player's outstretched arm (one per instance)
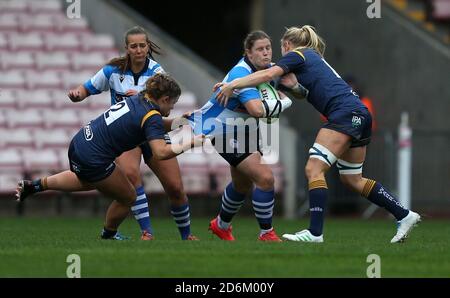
(177, 122)
(78, 94)
(289, 85)
(252, 80)
(163, 151)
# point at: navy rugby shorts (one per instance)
(86, 170)
(236, 149)
(355, 122)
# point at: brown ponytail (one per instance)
(123, 62)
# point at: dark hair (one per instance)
(253, 36)
(161, 85)
(123, 62)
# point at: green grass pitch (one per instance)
(38, 247)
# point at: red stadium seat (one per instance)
(9, 22)
(90, 42)
(88, 61)
(51, 138)
(16, 60)
(40, 98)
(62, 42)
(43, 79)
(40, 160)
(8, 99)
(52, 61)
(45, 6)
(37, 22)
(2, 120)
(64, 24)
(12, 79)
(14, 6)
(3, 42)
(26, 41)
(30, 118)
(62, 101)
(21, 138)
(74, 79)
(61, 118)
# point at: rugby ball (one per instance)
(267, 92)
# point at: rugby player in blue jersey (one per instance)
(238, 141)
(343, 139)
(125, 77)
(129, 123)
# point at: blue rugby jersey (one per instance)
(124, 126)
(326, 88)
(212, 117)
(111, 78)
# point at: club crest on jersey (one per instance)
(356, 121)
(88, 134)
(121, 78)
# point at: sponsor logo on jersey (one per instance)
(88, 134)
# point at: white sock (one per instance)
(265, 231)
(223, 225)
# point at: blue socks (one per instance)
(182, 218)
(263, 202)
(140, 210)
(318, 192)
(39, 185)
(378, 195)
(231, 203)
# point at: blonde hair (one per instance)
(304, 37)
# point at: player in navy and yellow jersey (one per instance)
(343, 138)
(125, 77)
(238, 141)
(93, 150)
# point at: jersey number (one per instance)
(115, 112)
(332, 69)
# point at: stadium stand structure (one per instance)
(42, 55)
(432, 15)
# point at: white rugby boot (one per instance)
(405, 226)
(303, 236)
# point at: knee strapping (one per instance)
(322, 153)
(347, 168)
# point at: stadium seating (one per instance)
(42, 55)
